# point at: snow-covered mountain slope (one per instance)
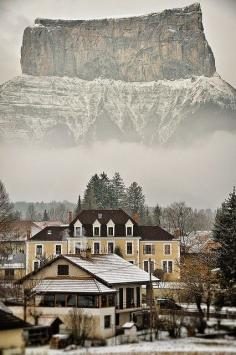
(67, 111)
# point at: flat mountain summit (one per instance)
(149, 79)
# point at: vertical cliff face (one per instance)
(167, 45)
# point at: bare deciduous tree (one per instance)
(81, 325)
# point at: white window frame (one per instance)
(35, 261)
(167, 261)
(129, 224)
(78, 224)
(97, 241)
(37, 245)
(152, 261)
(97, 224)
(164, 245)
(110, 241)
(56, 249)
(109, 225)
(129, 241)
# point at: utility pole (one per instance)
(150, 297)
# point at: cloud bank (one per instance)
(202, 175)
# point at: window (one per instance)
(87, 301)
(110, 247)
(71, 301)
(77, 231)
(36, 265)
(129, 231)
(107, 321)
(110, 231)
(167, 266)
(129, 297)
(167, 249)
(48, 301)
(49, 231)
(60, 300)
(96, 247)
(9, 273)
(39, 250)
(77, 247)
(58, 249)
(129, 248)
(107, 301)
(96, 231)
(63, 270)
(138, 296)
(149, 249)
(146, 266)
(131, 261)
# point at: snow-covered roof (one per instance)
(72, 286)
(112, 269)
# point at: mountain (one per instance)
(167, 45)
(148, 79)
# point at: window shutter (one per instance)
(153, 249)
(144, 249)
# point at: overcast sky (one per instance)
(219, 19)
(202, 175)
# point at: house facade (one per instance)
(107, 232)
(106, 288)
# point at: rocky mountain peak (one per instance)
(167, 45)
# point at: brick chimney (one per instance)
(70, 216)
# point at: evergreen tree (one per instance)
(147, 219)
(45, 216)
(78, 207)
(135, 199)
(157, 215)
(117, 191)
(224, 233)
(89, 201)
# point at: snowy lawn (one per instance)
(184, 346)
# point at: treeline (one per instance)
(44, 211)
(105, 192)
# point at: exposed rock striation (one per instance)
(70, 111)
(166, 45)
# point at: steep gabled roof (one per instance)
(118, 216)
(52, 233)
(154, 233)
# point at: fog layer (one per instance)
(202, 175)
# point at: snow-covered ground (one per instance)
(184, 346)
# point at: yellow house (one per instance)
(107, 232)
(11, 333)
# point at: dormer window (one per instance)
(99, 215)
(49, 231)
(77, 231)
(129, 228)
(129, 231)
(110, 231)
(110, 228)
(97, 228)
(96, 231)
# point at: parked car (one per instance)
(167, 303)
